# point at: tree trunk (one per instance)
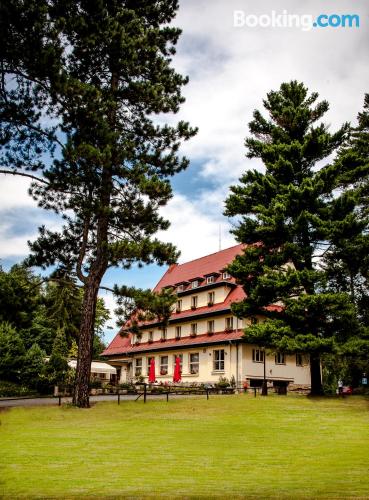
(316, 376)
(85, 342)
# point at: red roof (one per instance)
(184, 273)
(197, 268)
(124, 347)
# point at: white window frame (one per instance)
(211, 297)
(209, 280)
(218, 360)
(229, 323)
(164, 366)
(211, 326)
(280, 358)
(194, 366)
(258, 355)
(164, 333)
(226, 275)
(138, 367)
(148, 360)
(180, 288)
(195, 284)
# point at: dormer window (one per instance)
(180, 288)
(209, 280)
(195, 284)
(226, 275)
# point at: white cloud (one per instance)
(232, 69)
(14, 192)
(13, 245)
(194, 228)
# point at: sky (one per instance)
(231, 68)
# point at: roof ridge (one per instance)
(210, 254)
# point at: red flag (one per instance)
(152, 377)
(177, 370)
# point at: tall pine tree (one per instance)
(81, 84)
(287, 214)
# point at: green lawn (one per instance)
(227, 447)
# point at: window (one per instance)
(180, 288)
(193, 328)
(254, 321)
(149, 363)
(229, 323)
(138, 367)
(210, 279)
(279, 359)
(178, 332)
(258, 356)
(151, 336)
(179, 306)
(163, 365)
(194, 302)
(299, 359)
(219, 360)
(195, 284)
(211, 297)
(211, 326)
(226, 275)
(194, 363)
(180, 356)
(164, 334)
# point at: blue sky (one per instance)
(230, 69)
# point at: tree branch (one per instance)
(23, 174)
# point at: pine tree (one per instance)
(287, 215)
(81, 85)
(346, 261)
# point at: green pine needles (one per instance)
(289, 215)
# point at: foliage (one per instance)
(12, 353)
(137, 305)
(287, 215)
(19, 296)
(11, 389)
(99, 159)
(33, 366)
(223, 382)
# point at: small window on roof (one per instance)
(180, 288)
(210, 279)
(226, 275)
(195, 284)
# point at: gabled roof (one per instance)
(215, 262)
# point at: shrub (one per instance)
(10, 389)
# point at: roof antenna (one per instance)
(220, 238)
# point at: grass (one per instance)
(227, 447)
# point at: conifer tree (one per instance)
(346, 261)
(287, 215)
(81, 84)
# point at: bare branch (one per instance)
(23, 174)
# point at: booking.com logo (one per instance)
(305, 22)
